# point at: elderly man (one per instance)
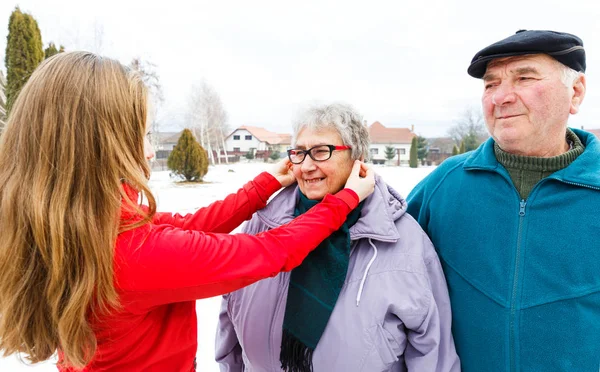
(515, 221)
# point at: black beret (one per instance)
(565, 48)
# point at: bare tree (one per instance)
(86, 36)
(208, 119)
(469, 128)
(147, 71)
(2, 101)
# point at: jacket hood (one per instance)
(377, 220)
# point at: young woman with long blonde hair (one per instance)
(88, 270)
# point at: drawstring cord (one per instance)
(364, 278)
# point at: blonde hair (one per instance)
(75, 132)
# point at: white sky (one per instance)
(400, 62)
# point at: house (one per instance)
(256, 140)
(398, 138)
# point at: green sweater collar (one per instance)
(533, 163)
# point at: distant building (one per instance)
(164, 142)
(259, 141)
(398, 138)
(439, 149)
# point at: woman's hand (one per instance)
(361, 180)
(282, 171)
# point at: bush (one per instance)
(249, 155)
(188, 159)
(274, 155)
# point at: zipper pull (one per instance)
(522, 209)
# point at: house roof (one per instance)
(286, 139)
(382, 134)
(267, 136)
(168, 137)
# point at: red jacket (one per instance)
(163, 267)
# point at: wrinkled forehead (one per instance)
(534, 61)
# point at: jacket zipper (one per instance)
(581, 185)
(522, 212)
(513, 301)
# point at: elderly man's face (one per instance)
(317, 179)
(526, 105)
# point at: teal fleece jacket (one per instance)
(523, 275)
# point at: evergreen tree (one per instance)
(390, 152)
(188, 159)
(24, 53)
(462, 147)
(471, 142)
(455, 150)
(413, 162)
(422, 148)
(51, 50)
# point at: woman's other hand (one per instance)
(282, 171)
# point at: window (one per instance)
(236, 137)
(374, 151)
(248, 138)
(236, 149)
(402, 151)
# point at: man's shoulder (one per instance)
(450, 166)
(453, 162)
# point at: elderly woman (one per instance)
(372, 297)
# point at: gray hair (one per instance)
(568, 75)
(338, 116)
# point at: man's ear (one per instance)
(578, 94)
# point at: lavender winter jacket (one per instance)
(393, 312)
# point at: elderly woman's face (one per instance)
(319, 178)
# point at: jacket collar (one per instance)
(584, 171)
(379, 212)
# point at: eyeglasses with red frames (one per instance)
(317, 153)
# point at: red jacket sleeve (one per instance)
(160, 264)
(225, 215)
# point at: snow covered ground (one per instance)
(221, 180)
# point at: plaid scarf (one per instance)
(313, 291)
